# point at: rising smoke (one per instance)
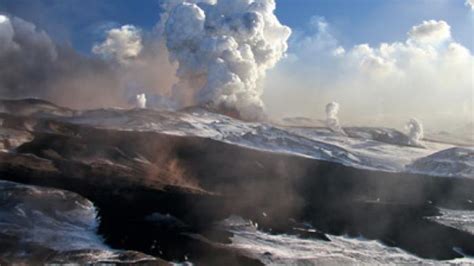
(221, 49)
(332, 121)
(415, 132)
(141, 101)
(224, 50)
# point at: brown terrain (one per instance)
(131, 175)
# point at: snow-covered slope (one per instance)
(46, 225)
(340, 250)
(459, 219)
(451, 162)
(382, 149)
(367, 148)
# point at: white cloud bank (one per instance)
(129, 63)
(17, 35)
(429, 75)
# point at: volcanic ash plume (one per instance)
(415, 131)
(332, 122)
(141, 101)
(224, 49)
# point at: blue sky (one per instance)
(82, 22)
(374, 21)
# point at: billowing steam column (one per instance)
(332, 122)
(224, 48)
(141, 101)
(415, 132)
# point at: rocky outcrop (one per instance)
(452, 162)
(45, 225)
(129, 175)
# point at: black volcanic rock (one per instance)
(27, 107)
(130, 175)
(44, 225)
(386, 135)
(458, 161)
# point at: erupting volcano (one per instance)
(206, 133)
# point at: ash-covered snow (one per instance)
(451, 162)
(459, 219)
(11, 138)
(370, 148)
(52, 225)
(366, 148)
(340, 250)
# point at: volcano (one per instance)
(207, 188)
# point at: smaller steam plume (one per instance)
(332, 122)
(141, 101)
(415, 132)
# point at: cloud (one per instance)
(24, 51)
(428, 75)
(224, 49)
(141, 59)
(470, 4)
(122, 44)
(130, 63)
(21, 36)
(6, 35)
(430, 31)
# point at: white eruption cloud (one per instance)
(224, 49)
(141, 101)
(122, 44)
(415, 131)
(332, 120)
(429, 75)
